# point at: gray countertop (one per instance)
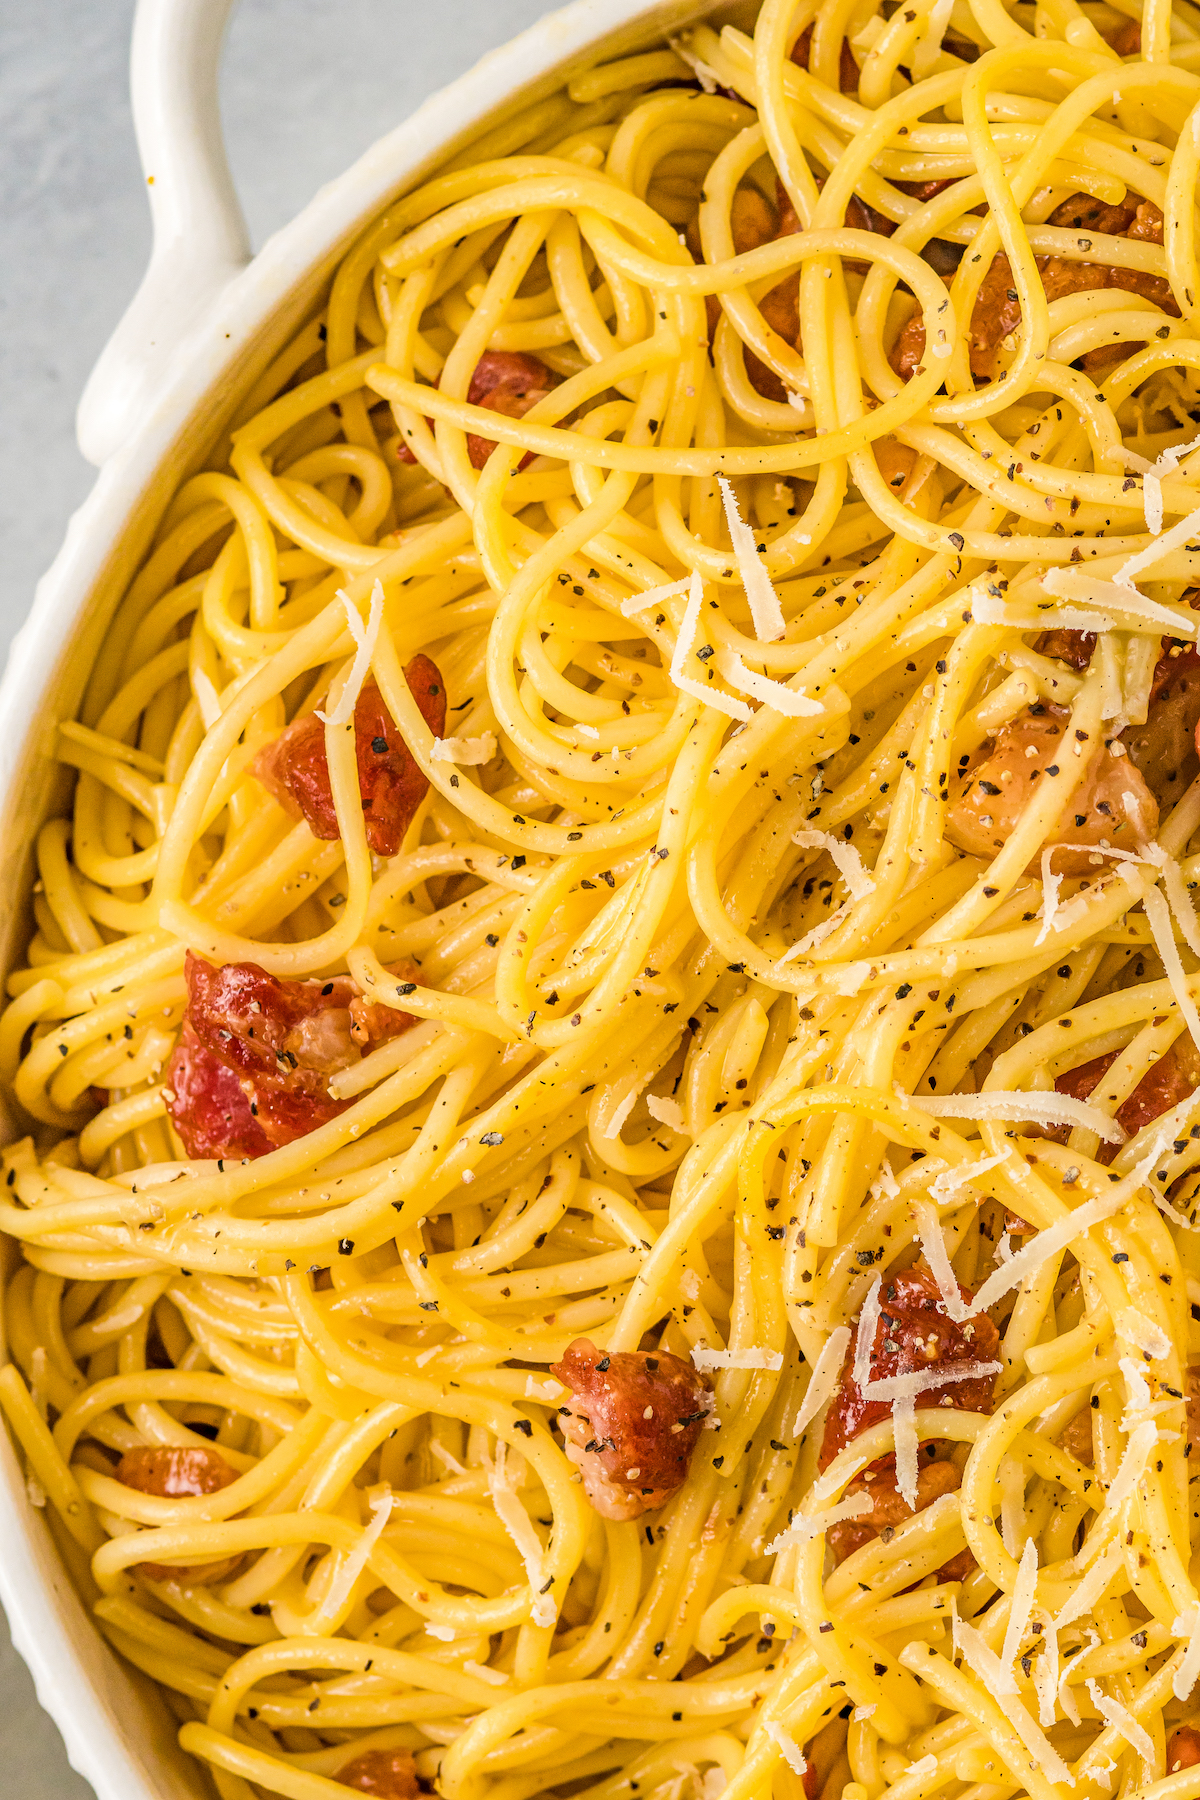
(307, 86)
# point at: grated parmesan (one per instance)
(352, 1566)
(1048, 1243)
(684, 645)
(864, 1341)
(1146, 615)
(823, 1379)
(791, 702)
(765, 609)
(668, 1112)
(984, 1663)
(519, 1526)
(1039, 1107)
(1159, 915)
(1141, 1442)
(1162, 546)
(654, 596)
(1122, 1721)
(806, 1526)
(1142, 1333)
(938, 1257)
(469, 753)
(365, 638)
(846, 860)
(904, 1436)
(791, 1751)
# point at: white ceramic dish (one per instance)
(204, 323)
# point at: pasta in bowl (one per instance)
(611, 1038)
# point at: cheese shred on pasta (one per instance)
(606, 1193)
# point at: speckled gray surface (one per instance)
(308, 84)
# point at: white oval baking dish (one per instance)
(204, 323)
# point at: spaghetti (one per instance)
(612, 1034)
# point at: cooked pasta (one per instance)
(611, 1032)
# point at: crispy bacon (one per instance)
(1168, 1081)
(389, 1774)
(1076, 1440)
(632, 1425)
(997, 310)
(295, 769)
(913, 1334)
(1183, 1749)
(1125, 38)
(177, 1472)
(505, 381)
(1111, 806)
(889, 1507)
(251, 1070)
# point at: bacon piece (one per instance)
(1183, 1748)
(997, 310)
(1163, 749)
(959, 1567)
(1125, 38)
(1112, 804)
(847, 67)
(1168, 1081)
(390, 1774)
(896, 461)
(913, 1334)
(633, 1424)
(178, 1472)
(1076, 1440)
(295, 770)
(505, 381)
(252, 1068)
(889, 1508)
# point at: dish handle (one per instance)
(200, 241)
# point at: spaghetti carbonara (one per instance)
(612, 1031)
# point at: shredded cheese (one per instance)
(351, 1567)
(997, 1680)
(1142, 1333)
(792, 1753)
(1141, 1442)
(668, 1112)
(1159, 915)
(1039, 1107)
(1122, 1721)
(980, 1658)
(468, 753)
(1162, 546)
(685, 643)
(765, 609)
(823, 1379)
(904, 1432)
(938, 1257)
(806, 1526)
(1048, 1243)
(519, 1526)
(946, 1186)
(365, 638)
(792, 703)
(654, 597)
(864, 1341)
(846, 860)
